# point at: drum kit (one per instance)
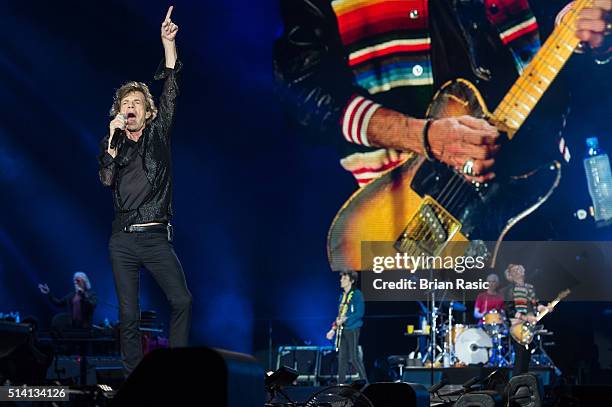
(454, 344)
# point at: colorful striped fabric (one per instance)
(363, 176)
(524, 299)
(356, 118)
(518, 29)
(387, 42)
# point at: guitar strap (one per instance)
(346, 299)
(471, 18)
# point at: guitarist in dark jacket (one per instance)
(347, 326)
(522, 305)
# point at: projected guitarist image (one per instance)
(403, 87)
(347, 326)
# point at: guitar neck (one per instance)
(540, 73)
(551, 305)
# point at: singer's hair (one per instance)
(352, 275)
(512, 267)
(494, 277)
(130, 87)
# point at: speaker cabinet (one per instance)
(194, 376)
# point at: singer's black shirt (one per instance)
(153, 155)
(134, 187)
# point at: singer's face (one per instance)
(133, 108)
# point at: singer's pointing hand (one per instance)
(168, 28)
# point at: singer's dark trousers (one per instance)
(151, 250)
(349, 353)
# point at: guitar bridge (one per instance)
(428, 230)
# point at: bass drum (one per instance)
(473, 346)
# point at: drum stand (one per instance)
(432, 347)
(497, 358)
(539, 356)
(448, 355)
(435, 353)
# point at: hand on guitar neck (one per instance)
(542, 310)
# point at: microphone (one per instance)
(117, 135)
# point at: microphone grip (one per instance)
(117, 134)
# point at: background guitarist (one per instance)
(347, 325)
(522, 305)
(362, 73)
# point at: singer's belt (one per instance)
(161, 228)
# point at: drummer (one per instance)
(489, 300)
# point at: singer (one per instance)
(135, 164)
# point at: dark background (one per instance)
(252, 200)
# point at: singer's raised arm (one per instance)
(168, 69)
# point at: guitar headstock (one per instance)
(564, 294)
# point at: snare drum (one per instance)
(494, 322)
(493, 317)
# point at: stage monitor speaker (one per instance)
(524, 391)
(21, 361)
(397, 394)
(303, 359)
(485, 398)
(194, 376)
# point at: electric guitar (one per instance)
(344, 304)
(523, 332)
(421, 206)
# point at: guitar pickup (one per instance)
(428, 230)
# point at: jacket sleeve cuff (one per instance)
(162, 72)
(107, 159)
(356, 118)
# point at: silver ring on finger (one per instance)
(468, 167)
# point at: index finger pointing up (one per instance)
(169, 13)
